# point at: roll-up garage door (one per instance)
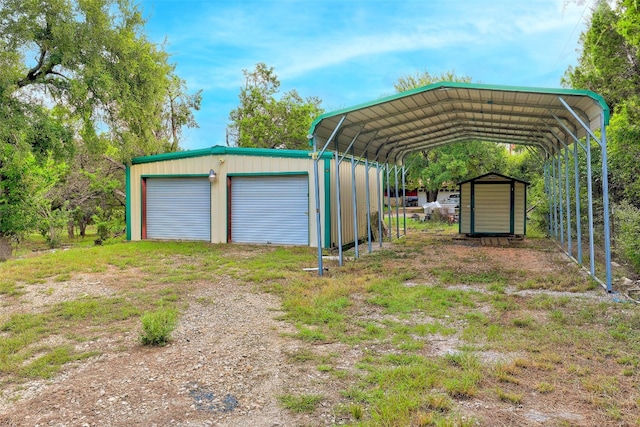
(178, 208)
(270, 209)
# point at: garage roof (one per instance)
(387, 129)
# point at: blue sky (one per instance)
(352, 51)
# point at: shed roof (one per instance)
(387, 129)
(486, 175)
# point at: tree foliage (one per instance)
(609, 64)
(425, 78)
(263, 120)
(78, 73)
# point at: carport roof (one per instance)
(387, 129)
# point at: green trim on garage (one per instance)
(127, 205)
(219, 150)
(327, 203)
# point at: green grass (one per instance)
(300, 403)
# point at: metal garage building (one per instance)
(493, 204)
(244, 195)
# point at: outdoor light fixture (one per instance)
(212, 176)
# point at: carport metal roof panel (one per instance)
(387, 129)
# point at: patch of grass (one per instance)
(210, 301)
(157, 326)
(505, 373)
(9, 288)
(48, 364)
(311, 335)
(300, 356)
(300, 403)
(356, 411)
(514, 398)
(523, 322)
(544, 387)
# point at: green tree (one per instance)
(262, 120)
(425, 78)
(79, 71)
(608, 63)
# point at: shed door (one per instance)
(270, 209)
(178, 208)
(492, 208)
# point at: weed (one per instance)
(157, 326)
(356, 411)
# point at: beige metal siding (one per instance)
(346, 201)
(465, 208)
(519, 208)
(492, 208)
(223, 165)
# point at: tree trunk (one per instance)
(71, 229)
(5, 248)
(432, 196)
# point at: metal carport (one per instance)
(557, 123)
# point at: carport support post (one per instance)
(554, 198)
(395, 173)
(317, 197)
(339, 209)
(605, 202)
(355, 204)
(389, 200)
(576, 171)
(368, 196)
(380, 211)
(568, 195)
(548, 193)
(560, 199)
(404, 203)
(592, 261)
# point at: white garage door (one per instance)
(178, 208)
(270, 209)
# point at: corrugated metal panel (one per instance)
(465, 208)
(270, 209)
(519, 208)
(346, 201)
(492, 208)
(178, 208)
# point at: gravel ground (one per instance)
(226, 366)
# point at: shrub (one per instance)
(627, 232)
(157, 326)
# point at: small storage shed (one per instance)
(242, 195)
(493, 204)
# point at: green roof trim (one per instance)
(218, 150)
(459, 85)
